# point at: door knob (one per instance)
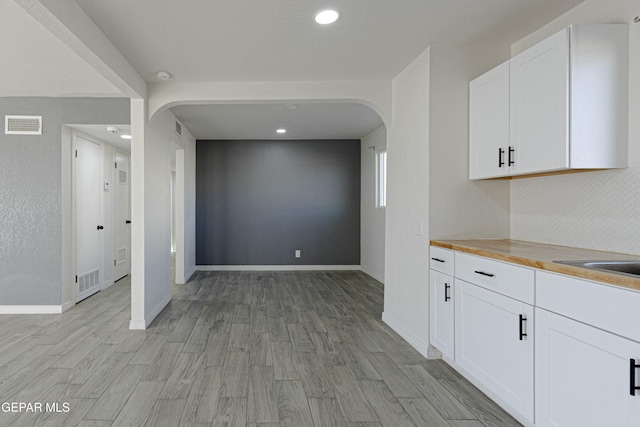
(127, 221)
(100, 227)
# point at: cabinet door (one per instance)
(583, 375)
(540, 106)
(489, 123)
(489, 346)
(441, 318)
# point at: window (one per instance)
(381, 178)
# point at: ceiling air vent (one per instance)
(178, 129)
(23, 125)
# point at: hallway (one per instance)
(234, 349)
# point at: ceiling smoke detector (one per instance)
(163, 75)
(113, 130)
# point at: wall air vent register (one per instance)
(23, 125)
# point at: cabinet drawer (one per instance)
(606, 307)
(441, 260)
(507, 279)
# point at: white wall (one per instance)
(593, 209)
(151, 213)
(407, 213)
(459, 208)
(372, 219)
(186, 208)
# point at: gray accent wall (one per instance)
(31, 192)
(259, 201)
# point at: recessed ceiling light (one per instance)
(327, 16)
(163, 75)
(125, 136)
(281, 131)
(291, 106)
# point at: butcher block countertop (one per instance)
(540, 255)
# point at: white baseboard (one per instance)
(137, 325)
(277, 267)
(375, 274)
(143, 324)
(31, 309)
(189, 273)
(415, 342)
(67, 305)
(107, 285)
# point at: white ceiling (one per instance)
(100, 133)
(257, 40)
(34, 63)
(260, 121)
(277, 40)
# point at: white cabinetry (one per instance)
(494, 332)
(489, 124)
(584, 372)
(567, 106)
(441, 301)
(587, 341)
(583, 375)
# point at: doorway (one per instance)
(87, 212)
(121, 217)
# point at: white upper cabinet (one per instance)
(567, 106)
(489, 124)
(539, 106)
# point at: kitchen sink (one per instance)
(631, 268)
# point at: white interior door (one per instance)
(121, 216)
(88, 217)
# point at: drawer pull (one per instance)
(500, 157)
(446, 292)
(484, 274)
(522, 330)
(632, 377)
(437, 259)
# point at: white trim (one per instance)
(137, 325)
(31, 309)
(189, 273)
(414, 341)
(375, 274)
(278, 267)
(143, 324)
(67, 305)
(107, 285)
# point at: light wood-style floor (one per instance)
(234, 349)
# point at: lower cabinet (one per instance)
(584, 375)
(441, 305)
(494, 345)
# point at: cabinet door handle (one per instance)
(632, 377)
(437, 259)
(522, 330)
(484, 274)
(446, 292)
(500, 157)
(511, 151)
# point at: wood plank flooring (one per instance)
(233, 349)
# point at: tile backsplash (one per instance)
(594, 210)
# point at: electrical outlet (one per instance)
(297, 253)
